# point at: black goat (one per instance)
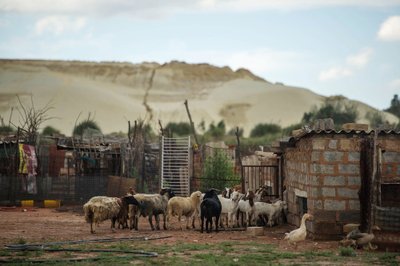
(210, 207)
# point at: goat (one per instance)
(155, 204)
(246, 207)
(210, 207)
(229, 208)
(186, 206)
(273, 211)
(101, 208)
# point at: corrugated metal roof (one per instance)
(288, 141)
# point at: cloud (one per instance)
(361, 59)
(151, 8)
(353, 62)
(335, 73)
(58, 24)
(390, 29)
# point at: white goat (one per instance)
(229, 208)
(246, 207)
(272, 211)
(186, 206)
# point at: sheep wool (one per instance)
(101, 208)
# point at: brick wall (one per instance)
(327, 168)
(390, 158)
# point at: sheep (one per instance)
(101, 208)
(155, 204)
(132, 211)
(246, 206)
(210, 207)
(186, 206)
(229, 208)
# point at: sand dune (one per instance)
(115, 92)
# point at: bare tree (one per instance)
(30, 117)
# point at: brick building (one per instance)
(328, 173)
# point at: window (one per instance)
(302, 204)
(390, 195)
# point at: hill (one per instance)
(116, 92)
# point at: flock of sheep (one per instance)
(230, 208)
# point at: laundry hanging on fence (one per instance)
(27, 167)
(27, 159)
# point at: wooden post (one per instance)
(191, 122)
(240, 159)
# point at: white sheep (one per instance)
(184, 206)
(101, 208)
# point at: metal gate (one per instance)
(175, 164)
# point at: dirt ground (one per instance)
(40, 225)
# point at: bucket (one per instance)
(52, 203)
(27, 203)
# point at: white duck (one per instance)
(299, 234)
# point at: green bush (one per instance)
(218, 172)
(394, 106)
(6, 130)
(217, 131)
(49, 130)
(178, 129)
(87, 125)
(334, 107)
(347, 252)
(263, 129)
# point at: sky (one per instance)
(332, 47)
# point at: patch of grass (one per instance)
(21, 241)
(313, 254)
(389, 258)
(347, 252)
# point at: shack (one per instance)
(341, 177)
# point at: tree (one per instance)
(217, 131)
(263, 129)
(88, 126)
(6, 130)
(394, 106)
(218, 171)
(334, 107)
(49, 131)
(31, 118)
(179, 129)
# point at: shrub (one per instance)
(49, 130)
(263, 129)
(347, 252)
(87, 125)
(6, 130)
(394, 106)
(179, 129)
(218, 171)
(336, 108)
